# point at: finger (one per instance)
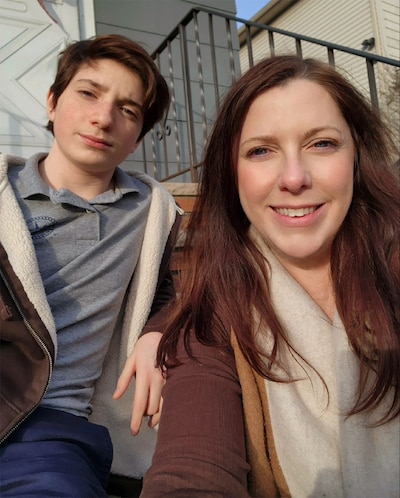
(126, 376)
(157, 384)
(140, 402)
(147, 398)
(155, 418)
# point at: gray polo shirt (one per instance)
(87, 252)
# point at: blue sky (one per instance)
(247, 8)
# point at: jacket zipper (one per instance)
(38, 340)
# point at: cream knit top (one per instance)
(321, 451)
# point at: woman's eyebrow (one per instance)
(318, 129)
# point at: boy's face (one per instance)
(98, 118)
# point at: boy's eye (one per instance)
(86, 93)
(128, 111)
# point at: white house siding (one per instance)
(31, 36)
(386, 15)
(346, 23)
(340, 21)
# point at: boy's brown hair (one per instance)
(125, 51)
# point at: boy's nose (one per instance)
(103, 115)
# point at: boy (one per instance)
(85, 250)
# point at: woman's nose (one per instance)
(295, 175)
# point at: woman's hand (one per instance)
(149, 381)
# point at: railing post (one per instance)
(161, 135)
(213, 59)
(299, 50)
(372, 83)
(271, 42)
(230, 48)
(173, 106)
(331, 57)
(188, 104)
(201, 82)
(249, 44)
(154, 153)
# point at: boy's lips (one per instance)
(95, 141)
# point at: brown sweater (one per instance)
(210, 444)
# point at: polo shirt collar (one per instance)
(32, 184)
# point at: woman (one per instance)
(283, 354)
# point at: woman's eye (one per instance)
(324, 144)
(257, 152)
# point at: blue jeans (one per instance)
(54, 453)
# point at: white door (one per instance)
(32, 33)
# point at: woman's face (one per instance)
(295, 171)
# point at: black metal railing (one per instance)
(200, 58)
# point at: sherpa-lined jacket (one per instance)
(28, 334)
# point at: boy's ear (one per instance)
(50, 107)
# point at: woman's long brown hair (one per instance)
(224, 275)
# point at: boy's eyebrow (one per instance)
(101, 87)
